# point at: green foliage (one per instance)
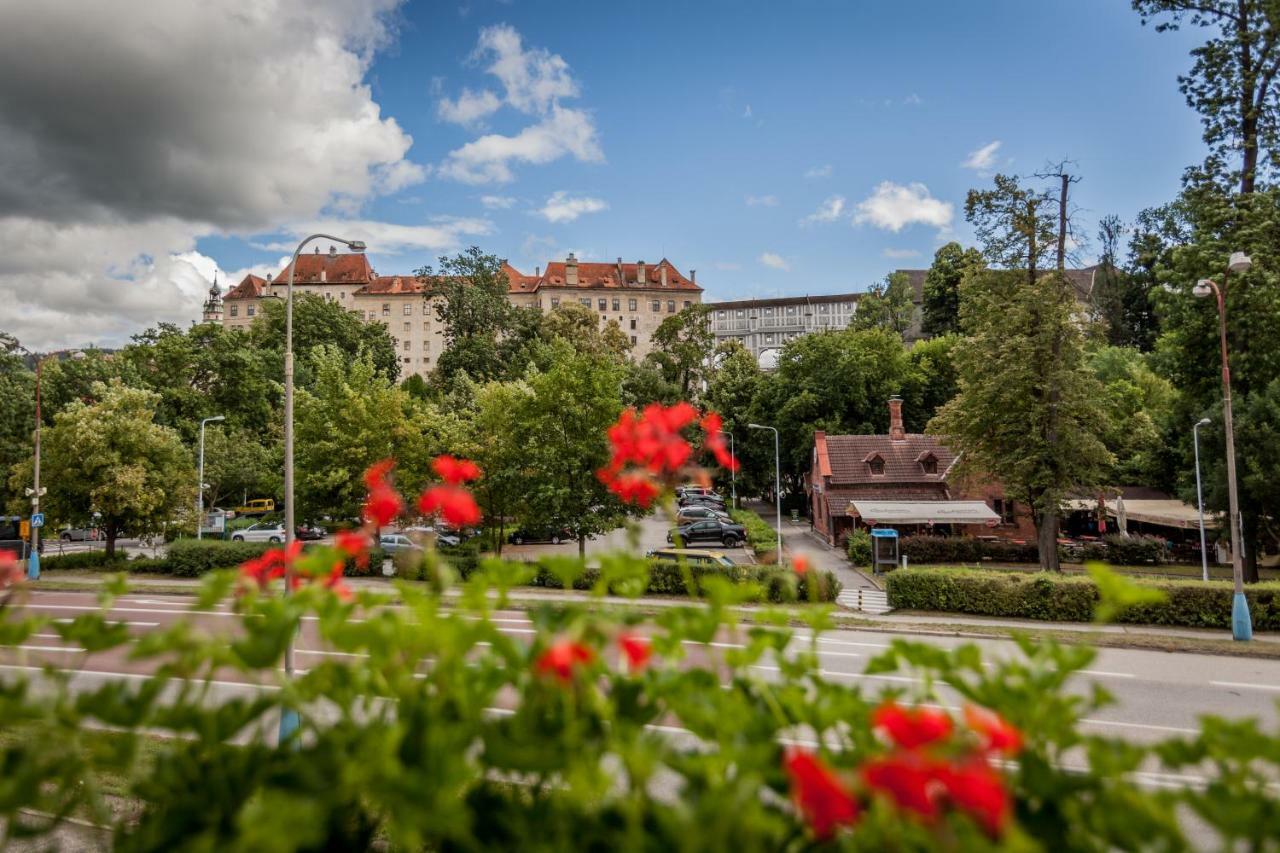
(17, 416)
(1057, 598)
(889, 306)
(859, 547)
(941, 309)
(762, 539)
(682, 346)
(1138, 405)
(666, 577)
(1117, 593)
(83, 560)
(1128, 550)
(238, 462)
(469, 292)
(192, 558)
(320, 322)
(964, 549)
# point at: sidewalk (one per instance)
(797, 540)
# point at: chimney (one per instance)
(537, 272)
(333, 250)
(693, 276)
(640, 273)
(571, 271)
(663, 272)
(323, 276)
(317, 250)
(896, 431)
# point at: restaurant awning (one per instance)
(923, 512)
(1166, 513)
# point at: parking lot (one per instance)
(653, 534)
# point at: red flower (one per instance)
(998, 735)
(818, 794)
(631, 488)
(653, 440)
(911, 728)
(455, 472)
(354, 543)
(713, 425)
(271, 565)
(562, 658)
(909, 779)
(979, 791)
(454, 503)
(382, 506)
(637, 650)
(10, 569)
(376, 474)
(800, 563)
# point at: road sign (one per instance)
(37, 520)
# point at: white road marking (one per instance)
(1245, 685)
(833, 674)
(64, 621)
(1102, 674)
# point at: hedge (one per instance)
(761, 538)
(965, 549)
(1058, 598)
(84, 560)
(666, 578)
(191, 558)
(1128, 550)
(858, 547)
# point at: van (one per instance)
(257, 506)
(692, 556)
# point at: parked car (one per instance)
(80, 534)
(554, 535)
(713, 501)
(263, 531)
(442, 536)
(309, 533)
(681, 491)
(257, 506)
(699, 512)
(693, 556)
(397, 543)
(709, 530)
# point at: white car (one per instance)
(263, 531)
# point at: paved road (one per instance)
(1158, 694)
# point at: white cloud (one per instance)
(747, 112)
(912, 100)
(761, 201)
(823, 171)
(390, 238)
(900, 254)
(774, 260)
(829, 211)
(469, 107)
(895, 206)
(534, 81)
(562, 207)
(984, 158)
(498, 202)
(125, 139)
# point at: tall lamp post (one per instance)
(200, 485)
(289, 719)
(1241, 621)
(1204, 554)
(777, 481)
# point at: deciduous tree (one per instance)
(941, 309)
(682, 346)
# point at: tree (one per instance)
(1027, 412)
(580, 326)
(1232, 84)
(951, 264)
(934, 380)
(1138, 405)
(470, 293)
(890, 305)
(109, 462)
(317, 322)
(76, 376)
(562, 429)
(493, 426)
(683, 344)
(17, 414)
(240, 464)
(1015, 224)
(1120, 294)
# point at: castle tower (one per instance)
(213, 305)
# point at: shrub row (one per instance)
(965, 549)
(761, 538)
(187, 558)
(82, 560)
(1128, 550)
(858, 547)
(666, 578)
(1057, 598)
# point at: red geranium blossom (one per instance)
(631, 488)
(637, 650)
(455, 472)
(376, 474)
(10, 569)
(652, 440)
(800, 564)
(382, 506)
(713, 425)
(818, 794)
(910, 779)
(271, 565)
(911, 728)
(562, 658)
(454, 503)
(354, 543)
(997, 734)
(978, 790)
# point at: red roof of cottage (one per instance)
(593, 275)
(391, 285)
(349, 267)
(849, 458)
(250, 287)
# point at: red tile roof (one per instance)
(250, 287)
(848, 460)
(391, 285)
(345, 268)
(592, 275)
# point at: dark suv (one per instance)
(709, 530)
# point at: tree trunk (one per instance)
(111, 533)
(1248, 115)
(1047, 540)
(582, 547)
(1062, 223)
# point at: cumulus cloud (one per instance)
(761, 201)
(823, 171)
(126, 138)
(498, 202)
(774, 260)
(982, 159)
(534, 82)
(389, 238)
(893, 207)
(829, 211)
(562, 207)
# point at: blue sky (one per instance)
(776, 148)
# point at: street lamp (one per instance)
(1241, 621)
(777, 482)
(289, 719)
(1204, 554)
(200, 485)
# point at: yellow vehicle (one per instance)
(257, 506)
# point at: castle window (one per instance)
(631, 304)
(234, 309)
(408, 308)
(249, 312)
(617, 304)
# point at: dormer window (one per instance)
(928, 462)
(876, 465)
